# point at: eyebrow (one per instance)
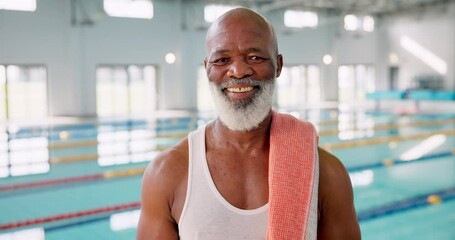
(248, 50)
(254, 50)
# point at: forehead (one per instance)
(238, 36)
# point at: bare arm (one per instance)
(159, 184)
(338, 219)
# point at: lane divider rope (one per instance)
(389, 126)
(86, 178)
(391, 162)
(408, 204)
(72, 215)
(381, 140)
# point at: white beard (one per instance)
(243, 115)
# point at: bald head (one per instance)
(237, 20)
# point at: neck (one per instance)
(241, 140)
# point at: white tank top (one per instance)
(206, 215)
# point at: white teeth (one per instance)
(240, 90)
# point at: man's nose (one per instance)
(240, 69)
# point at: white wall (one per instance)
(72, 52)
(432, 29)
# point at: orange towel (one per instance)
(293, 179)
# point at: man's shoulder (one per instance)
(333, 176)
(169, 166)
(330, 165)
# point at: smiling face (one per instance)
(242, 64)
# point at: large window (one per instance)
(297, 86)
(23, 93)
(354, 82)
(126, 91)
(129, 8)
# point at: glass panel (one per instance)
(104, 104)
(365, 80)
(371, 82)
(346, 83)
(313, 84)
(16, 92)
(204, 96)
(142, 90)
(150, 86)
(2, 93)
(361, 80)
(120, 91)
(37, 92)
(137, 91)
(26, 92)
(291, 90)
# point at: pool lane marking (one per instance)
(73, 144)
(389, 126)
(74, 158)
(408, 204)
(397, 161)
(386, 139)
(78, 179)
(72, 215)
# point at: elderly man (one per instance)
(251, 173)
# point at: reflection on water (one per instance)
(355, 125)
(21, 155)
(124, 220)
(29, 234)
(125, 146)
(426, 146)
(363, 178)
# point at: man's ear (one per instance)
(205, 63)
(279, 64)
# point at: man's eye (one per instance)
(221, 61)
(257, 59)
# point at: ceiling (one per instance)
(340, 6)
